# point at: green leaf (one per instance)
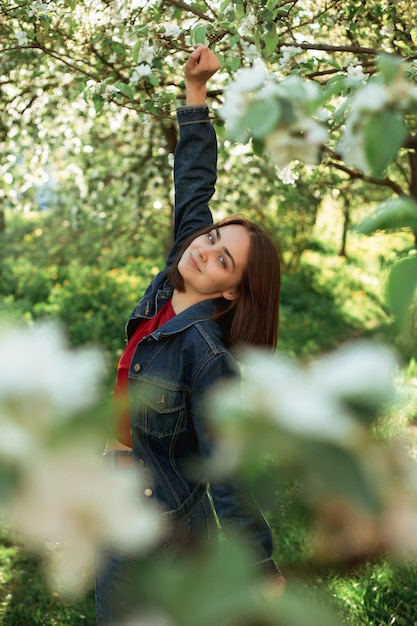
(271, 40)
(127, 90)
(258, 147)
(235, 63)
(136, 50)
(401, 287)
(262, 117)
(389, 66)
(199, 33)
(384, 136)
(391, 215)
(98, 103)
(224, 5)
(153, 80)
(413, 33)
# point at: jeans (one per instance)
(117, 572)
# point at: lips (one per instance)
(193, 262)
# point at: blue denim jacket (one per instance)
(174, 367)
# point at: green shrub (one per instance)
(93, 305)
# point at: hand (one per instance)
(272, 588)
(200, 66)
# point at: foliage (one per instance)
(323, 97)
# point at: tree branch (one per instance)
(187, 7)
(357, 174)
(330, 48)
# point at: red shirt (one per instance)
(120, 406)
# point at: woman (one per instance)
(220, 288)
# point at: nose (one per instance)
(203, 253)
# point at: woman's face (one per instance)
(212, 266)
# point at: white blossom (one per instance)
(250, 51)
(170, 29)
(298, 142)
(288, 53)
(68, 377)
(316, 400)
(22, 38)
(233, 110)
(68, 498)
(355, 73)
(38, 8)
(140, 71)
(109, 90)
(247, 24)
(352, 148)
(373, 97)
(363, 371)
(146, 53)
(249, 78)
(43, 383)
(287, 175)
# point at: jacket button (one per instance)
(141, 462)
(148, 492)
(136, 367)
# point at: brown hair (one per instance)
(252, 318)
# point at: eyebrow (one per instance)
(226, 251)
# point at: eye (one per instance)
(222, 260)
(210, 237)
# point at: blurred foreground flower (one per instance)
(283, 115)
(54, 487)
(43, 384)
(68, 498)
(316, 422)
(320, 400)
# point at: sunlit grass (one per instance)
(26, 599)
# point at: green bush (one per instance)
(93, 305)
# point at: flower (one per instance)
(288, 53)
(247, 24)
(147, 53)
(318, 401)
(68, 498)
(170, 29)
(372, 97)
(249, 78)
(22, 38)
(56, 383)
(355, 73)
(37, 8)
(287, 175)
(297, 142)
(140, 71)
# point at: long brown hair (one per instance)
(253, 317)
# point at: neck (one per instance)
(181, 300)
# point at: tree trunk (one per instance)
(346, 224)
(412, 157)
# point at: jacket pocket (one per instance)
(157, 409)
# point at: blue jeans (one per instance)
(115, 571)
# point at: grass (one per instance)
(332, 299)
(26, 599)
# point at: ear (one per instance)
(233, 294)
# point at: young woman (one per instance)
(219, 289)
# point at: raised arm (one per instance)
(200, 67)
(195, 161)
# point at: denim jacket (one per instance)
(174, 367)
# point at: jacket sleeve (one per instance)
(235, 505)
(195, 164)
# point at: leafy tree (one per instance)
(88, 94)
